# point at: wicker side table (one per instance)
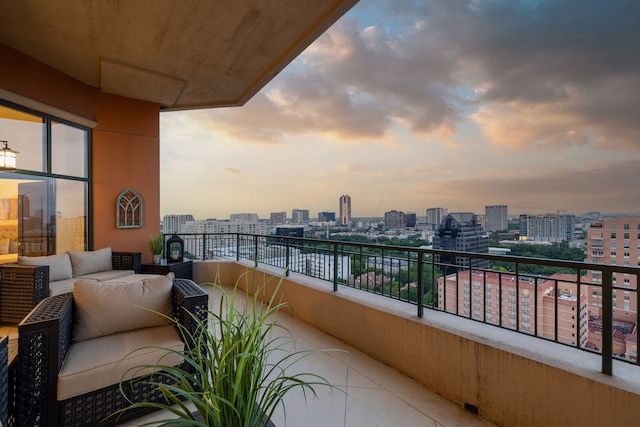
(182, 270)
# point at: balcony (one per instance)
(370, 393)
(508, 374)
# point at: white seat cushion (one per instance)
(102, 276)
(100, 362)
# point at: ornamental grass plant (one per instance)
(241, 357)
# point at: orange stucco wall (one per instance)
(126, 154)
(126, 144)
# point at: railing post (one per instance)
(607, 321)
(335, 267)
(238, 247)
(255, 251)
(420, 285)
(287, 257)
(204, 247)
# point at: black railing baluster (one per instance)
(313, 257)
(607, 320)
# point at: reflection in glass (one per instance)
(26, 133)
(68, 150)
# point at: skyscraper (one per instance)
(394, 220)
(461, 232)
(434, 217)
(496, 217)
(278, 218)
(345, 210)
(411, 219)
(553, 228)
(615, 241)
(300, 216)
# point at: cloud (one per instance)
(349, 168)
(532, 75)
(232, 171)
(575, 190)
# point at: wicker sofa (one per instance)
(50, 357)
(25, 284)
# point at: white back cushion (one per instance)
(59, 265)
(86, 262)
(104, 308)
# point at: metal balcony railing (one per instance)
(572, 303)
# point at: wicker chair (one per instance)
(22, 287)
(44, 339)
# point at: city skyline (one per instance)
(412, 105)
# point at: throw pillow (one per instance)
(105, 308)
(59, 265)
(87, 262)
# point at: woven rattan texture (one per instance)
(21, 288)
(42, 344)
(126, 261)
(46, 334)
(4, 381)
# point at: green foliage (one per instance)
(241, 358)
(156, 244)
(560, 251)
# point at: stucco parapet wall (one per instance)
(512, 378)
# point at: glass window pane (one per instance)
(71, 215)
(41, 216)
(68, 150)
(25, 134)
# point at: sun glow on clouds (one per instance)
(459, 104)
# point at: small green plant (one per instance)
(240, 357)
(156, 244)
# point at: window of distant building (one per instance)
(613, 226)
(44, 204)
(626, 226)
(613, 235)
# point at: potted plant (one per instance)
(237, 365)
(156, 245)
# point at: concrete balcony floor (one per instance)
(371, 394)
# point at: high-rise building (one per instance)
(173, 223)
(507, 300)
(278, 218)
(496, 217)
(244, 217)
(461, 232)
(411, 219)
(615, 241)
(300, 216)
(394, 220)
(327, 216)
(434, 217)
(553, 228)
(345, 210)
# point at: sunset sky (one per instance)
(408, 105)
